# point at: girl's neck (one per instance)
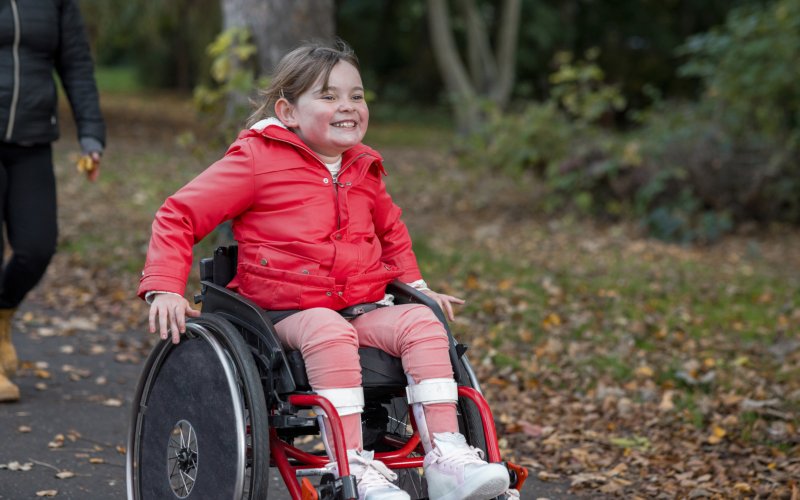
(329, 159)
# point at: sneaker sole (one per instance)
(480, 488)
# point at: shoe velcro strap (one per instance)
(347, 401)
(433, 390)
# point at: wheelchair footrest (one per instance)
(342, 488)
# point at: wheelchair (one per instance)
(212, 415)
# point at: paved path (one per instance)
(77, 387)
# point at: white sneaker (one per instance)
(373, 478)
(456, 471)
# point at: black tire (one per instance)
(199, 427)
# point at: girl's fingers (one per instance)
(173, 323)
(151, 319)
(180, 314)
(162, 323)
(449, 309)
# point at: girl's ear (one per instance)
(284, 111)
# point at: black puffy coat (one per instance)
(36, 38)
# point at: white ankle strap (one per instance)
(347, 401)
(433, 390)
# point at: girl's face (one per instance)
(330, 121)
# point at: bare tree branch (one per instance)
(507, 52)
(481, 59)
(451, 67)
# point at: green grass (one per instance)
(117, 79)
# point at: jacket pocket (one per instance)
(280, 290)
(274, 258)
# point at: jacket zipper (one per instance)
(15, 54)
(336, 184)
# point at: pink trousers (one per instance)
(329, 345)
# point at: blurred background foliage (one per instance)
(682, 115)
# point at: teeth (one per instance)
(348, 124)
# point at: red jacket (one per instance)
(303, 240)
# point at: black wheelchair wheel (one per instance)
(199, 427)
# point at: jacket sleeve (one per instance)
(76, 71)
(221, 192)
(393, 235)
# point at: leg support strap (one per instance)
(433, 390)
(347, 401)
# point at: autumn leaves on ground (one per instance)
(613, 362)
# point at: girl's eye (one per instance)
(328, 97)
(358, 97)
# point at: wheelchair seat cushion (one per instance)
(378, 369)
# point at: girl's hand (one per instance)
(170, 311)
(445, 302)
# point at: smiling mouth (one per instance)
(345, 124)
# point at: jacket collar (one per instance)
(272, 128)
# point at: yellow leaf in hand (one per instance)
(85, 164)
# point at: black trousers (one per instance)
(28, 212)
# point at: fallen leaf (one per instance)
(65, 474)
(587, 478)
(717, 433)
(57, 441)
(16, 466)
(666, 403)
(47, 493)
(547, 476)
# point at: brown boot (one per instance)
(8, 391)
(8, 355)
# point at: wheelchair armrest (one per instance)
(405, 294)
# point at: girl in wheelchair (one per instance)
(317, 234)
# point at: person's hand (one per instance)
(90, 165)
(445, 302)
(168, 315)
(94, 173)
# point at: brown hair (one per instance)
(298, 70)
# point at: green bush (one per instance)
(688, 172)
(750, 70)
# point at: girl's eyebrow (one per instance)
(335, 89)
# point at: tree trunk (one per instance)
(459, 87)
(490, 77)
(278, 26)
(233, 16)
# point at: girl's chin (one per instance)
(348, 142)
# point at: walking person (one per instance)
(37, 38)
